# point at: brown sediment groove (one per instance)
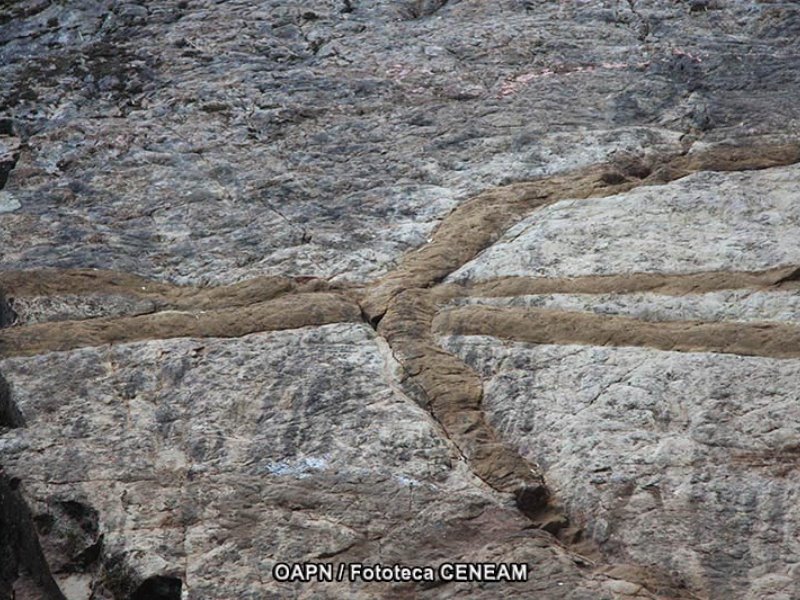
(479, 222)
(288, 312)
(656, 283)
(55, 282)
(454, 393)
(541, 326)
(81, 282)
(402, 305)
(742, 156)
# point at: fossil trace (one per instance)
(400, 283)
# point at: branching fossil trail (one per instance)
(540, 326)
(404, 306)
(298, 310)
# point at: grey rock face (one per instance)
(215, 141)
(241, 245)
(8, 203)
(704, 222)
(71, 307)
(222, 458)
(670, 459)
(729, 305)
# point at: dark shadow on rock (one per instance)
(20, 552)
(6, 166)
(70, 536)
(7, 314)
(159, 587)
(10, 415)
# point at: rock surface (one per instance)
(704, 222)
(669, 459)
(729, 305)
(212, 460)
(325, 137)
(401, 283)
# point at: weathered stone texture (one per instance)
(206, 141)
(242, 243)
(704, 222)
(728, 305)
(685, 461)
(211, 460)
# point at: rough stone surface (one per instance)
(669, 458)
(240, 243)
(317, 139)
(207, 458)
(705, 222)
(729, 305)
(40, 309)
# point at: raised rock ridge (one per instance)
(401, 283)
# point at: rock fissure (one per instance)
(404, 304)
(10, 415)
